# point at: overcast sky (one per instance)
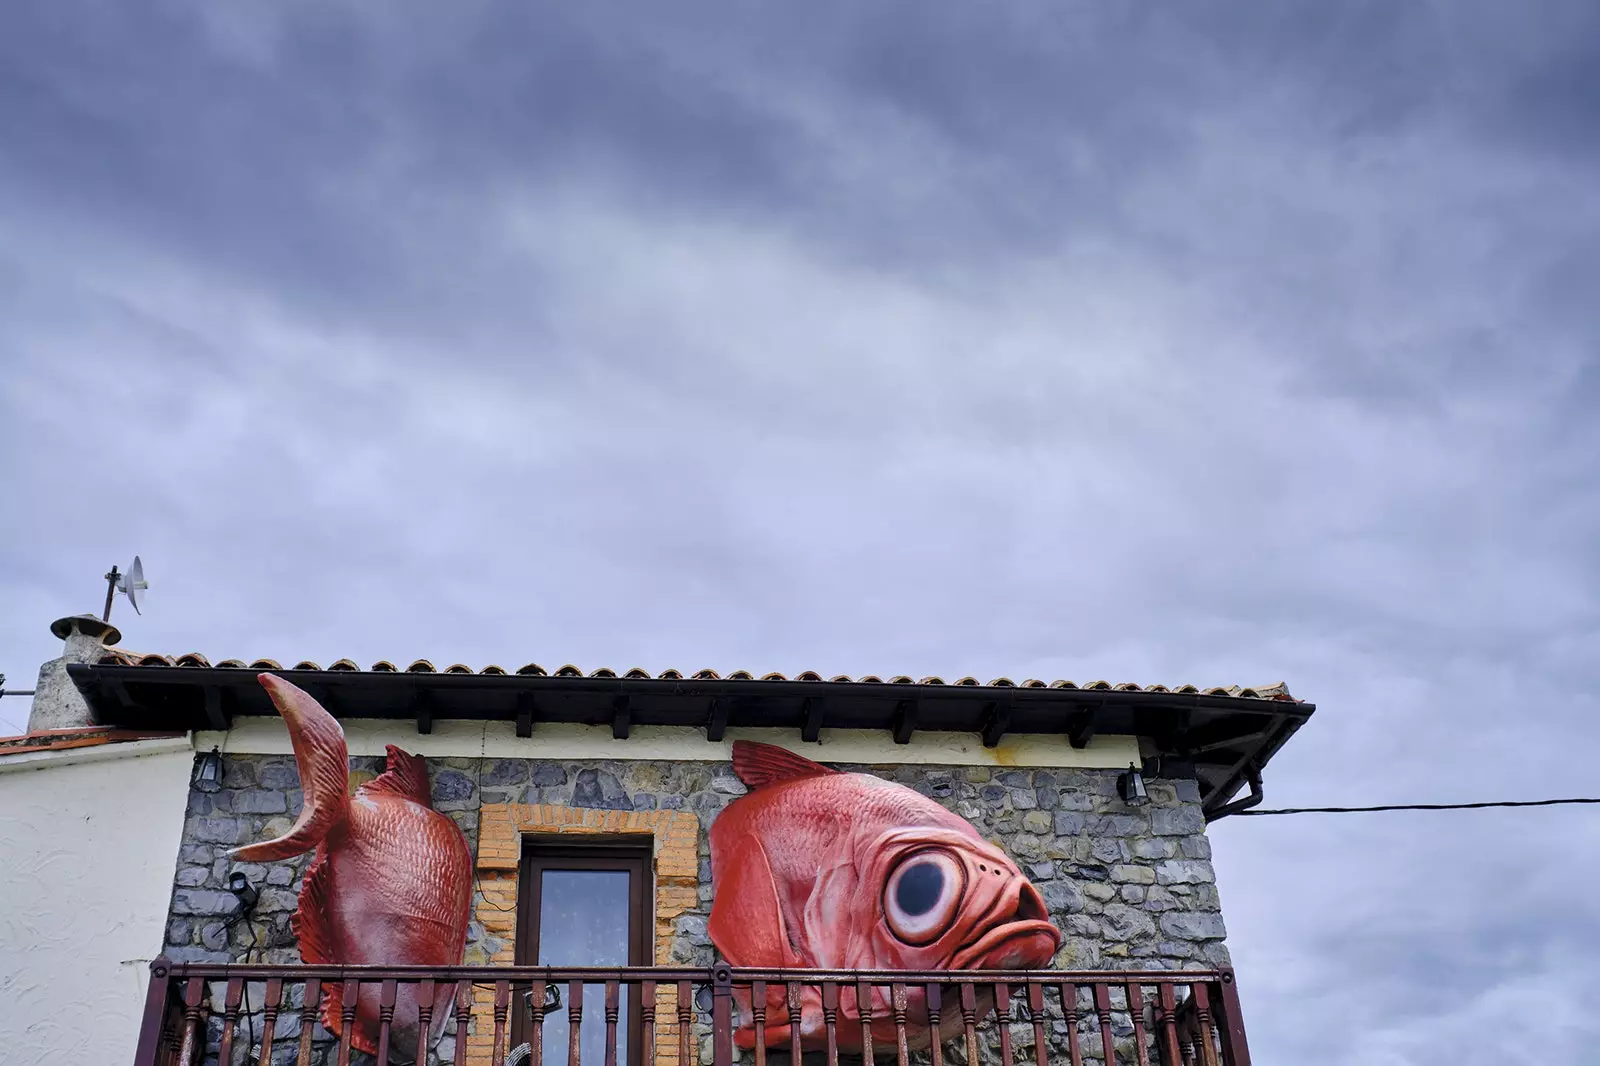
(1207, 343)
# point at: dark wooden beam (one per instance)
(811, 719)
(717, 719)
(996, 720)
(1214, 736)
(1164, 729)
(120, 691)
(526, 706)
(422, 709)
(1080, 729)
(621, 717)
(905, 721)
(216, 717)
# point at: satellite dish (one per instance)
(131, 585)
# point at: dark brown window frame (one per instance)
(606, 853)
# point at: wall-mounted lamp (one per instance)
(1130, 786)
(244, 891)
(208, 776)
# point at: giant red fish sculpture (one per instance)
(391, 882)
(818, 869)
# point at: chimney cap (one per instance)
(88, 625)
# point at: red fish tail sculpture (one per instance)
(817, 869)
(391, 881)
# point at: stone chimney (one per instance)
(57, 703)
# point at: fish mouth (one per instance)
(1021, 940)
(1016, 945)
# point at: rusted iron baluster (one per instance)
(1186, 1042)
(347, 1016)
(172, 1032)
(574, 1022)
(152, 1023)
(1002, 1019)
(795, 998)
(758, 1014)
(969, 1021)
(1167, 1023)
(1069, 1011)
(536, 1028)
(308, 1019)
(1136, 1012)
(1202, 1024)
(722, 1014)
(1102, 1011)
(612, 1009)
(1230, 1022)
(897, 1008)
(830, 1021)
(935, 996)
(685, 1023)
(424, 1019)
(502, 1007)
(647, 1024)
(271, 1000)
(230, 1019)
(386, 997)
(1041, 1056)
(193, 995)
(864, 1009)
(463, 1019)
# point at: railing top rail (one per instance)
(223, 971)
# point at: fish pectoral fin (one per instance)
(747, 923)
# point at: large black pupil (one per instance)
(919, 889)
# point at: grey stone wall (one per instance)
(1129, 887)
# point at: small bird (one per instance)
(818, 869)
(391, 882)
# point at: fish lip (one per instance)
(999, 934)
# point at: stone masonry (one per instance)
(1129, 887)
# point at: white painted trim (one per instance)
(126, 749)
(462, 739)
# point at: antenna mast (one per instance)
(111, 592)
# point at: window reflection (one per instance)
(583, 921)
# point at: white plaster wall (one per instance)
(498, 740)
(88, 843)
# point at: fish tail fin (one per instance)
(324, 764)
(758, 764)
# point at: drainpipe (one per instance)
(1254, 777)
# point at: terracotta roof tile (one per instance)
(79, 737)
(1277, 691)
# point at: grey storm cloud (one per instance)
(1223, 344)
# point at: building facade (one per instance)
(587, 802)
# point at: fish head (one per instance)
(950, 900)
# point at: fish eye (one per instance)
(920, 897)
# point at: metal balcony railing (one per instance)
(228, 1015)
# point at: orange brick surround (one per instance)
(501, 826)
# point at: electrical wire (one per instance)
(477, 784)
(1414, 807)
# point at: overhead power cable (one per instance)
(1413, 807)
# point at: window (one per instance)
(585, 906)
